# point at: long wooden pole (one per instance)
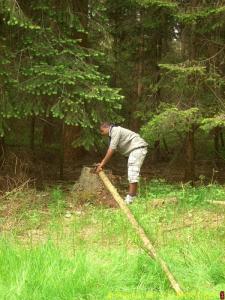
(147, 244)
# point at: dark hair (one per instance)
(105, 124)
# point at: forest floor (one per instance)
(43, 167)
(55, 245)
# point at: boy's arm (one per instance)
(107, 157)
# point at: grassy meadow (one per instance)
(51, 247)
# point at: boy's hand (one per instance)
(98, 168)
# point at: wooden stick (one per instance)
(147, 244)
(216, 202)
(15, 190)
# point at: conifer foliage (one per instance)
(45, 70)
(76, 60)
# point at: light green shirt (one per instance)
(125, 140)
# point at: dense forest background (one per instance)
(155, 66)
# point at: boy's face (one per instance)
(104, 130)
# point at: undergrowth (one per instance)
(94, 253)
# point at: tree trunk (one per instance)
(71, 133)
(80, 8)
(156, 152)
(189, 157)
(2, 150)
(222, 139)
(138, 89)
(32, 133)
(216, 142)
(48, 131)
(165, 146)
(61, 158)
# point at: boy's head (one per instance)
(104, 128)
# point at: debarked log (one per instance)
(148, 246)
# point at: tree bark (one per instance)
(2, 150)
(48, 131)
(32, 133)
(216, 142)
(71, 133)
(139, 85)
(165, 146)
(190, 156)
(222, 139)
(80, 8)
(61, 159)
(157, 151)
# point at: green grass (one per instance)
(96, 255)
(47, 272)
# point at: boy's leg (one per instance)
(135, 162)
(133, 189)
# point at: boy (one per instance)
(129, 144)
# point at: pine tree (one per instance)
(46, 71)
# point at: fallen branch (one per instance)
(146, 242)
(178, 227)
(15, 190)
(200, 224)
(216, 202)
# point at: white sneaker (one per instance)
(129, 199)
